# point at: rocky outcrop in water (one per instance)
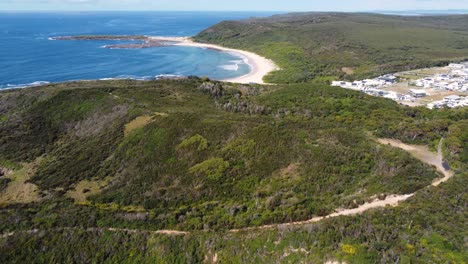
(143, 41)
(100, 37)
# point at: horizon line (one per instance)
(239, 11)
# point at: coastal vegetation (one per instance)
(308, 46)
(206, 157)
(192, 170)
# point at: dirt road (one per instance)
(420, 152)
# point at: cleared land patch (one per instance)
(19, 190)
(141, 121)
(348, 70)
(86, 188)
(136, 123)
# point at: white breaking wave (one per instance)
(121, 77)
(25, 85)
(233, 67)
(142, 78)
(130, 77)
(164, 76)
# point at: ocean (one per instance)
(29, 57)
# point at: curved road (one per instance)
(420, 152)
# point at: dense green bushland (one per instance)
(311, 45)
(203, 156)
(197, 166)
(426, 229)
(215, 156)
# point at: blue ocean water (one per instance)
(28, 56)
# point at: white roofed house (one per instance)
(391, 95)
(458, 72)
(453, 86)
(463, 102)
(341, 84)
(419, 83)
(388, 79)
(396, 96)
(436, 105)
(442, 77)
(428, 82)
(403, 97)
(336, 83)
(374, 83)
(417, 93)
(441, 85)
(452, 99)
(357, 85)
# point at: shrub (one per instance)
(213, 169)
(198, 142)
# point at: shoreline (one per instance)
(259, 66)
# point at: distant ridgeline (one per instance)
(355, 46)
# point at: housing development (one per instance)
(434, 88)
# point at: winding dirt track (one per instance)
(101, 229)
(420, 152)
(425, 155)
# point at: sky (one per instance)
(229, 5)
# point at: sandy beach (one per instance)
(259, 65)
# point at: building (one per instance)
(388, 78)
(454, 86)
(436, 105)
(452, 99)
(456, 66)
(442, 77)
(417, 93)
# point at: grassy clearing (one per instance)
(18, 189)
(136, 123)
(87, 188)
(141, 121)
(348, 70)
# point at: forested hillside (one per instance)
(343, 45)
(206, 157)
